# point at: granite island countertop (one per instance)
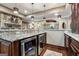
(18, 36)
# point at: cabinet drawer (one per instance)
(75, 45)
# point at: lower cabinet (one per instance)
(71, 45)
(5, 48)
(75, 46)
(25, 47)
(9, 48)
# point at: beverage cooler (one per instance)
(29, 46)
(33, 46)
(41, 42)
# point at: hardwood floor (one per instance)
(55, 48)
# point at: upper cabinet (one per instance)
(75, 8)
(75, 18)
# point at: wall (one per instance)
(55, 37)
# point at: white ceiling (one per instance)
(37, 7)
(65, 13)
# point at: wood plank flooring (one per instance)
(55, 48)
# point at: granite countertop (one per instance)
(73, 35)
(58, 29)
(18, 36)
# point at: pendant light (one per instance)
(59, 16)
(15, 9)
(44, 11)
(32, 17)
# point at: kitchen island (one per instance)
(10, 42)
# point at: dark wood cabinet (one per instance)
(4, 47)
(67, 42)
(75, 46)
(71, 45)
(9, 48)
(74, 7)
(0, 47)
(14, 48)
(75, 17)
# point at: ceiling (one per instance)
(29, 7)
(38, 9)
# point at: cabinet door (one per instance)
(66, 41)
(75, 46)
(0, 47)
(75, 18)
(78, 8)
(74, 8)
(15, 47)
(5, 48)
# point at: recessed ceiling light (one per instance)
(25, 11)
(56, 14)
